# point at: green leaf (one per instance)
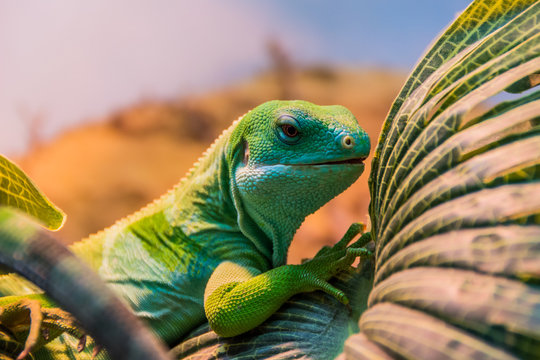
(454, 205)
(443, 116)
(524, 84)
(478, 21)
(502, 311)
(509, 124)
(510, 251)
(18, 191)
(509, 204)
(413, 334)
(484, 170)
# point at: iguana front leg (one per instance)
(239, 297)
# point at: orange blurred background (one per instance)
(107, 105)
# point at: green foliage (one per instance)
(455, 208)
(18, 191)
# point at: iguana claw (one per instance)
(352, 232)
(331, 260)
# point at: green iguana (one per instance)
(215, 246)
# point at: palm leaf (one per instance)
(480, 19)
(499, 310)
(412, 334)
(455, 207)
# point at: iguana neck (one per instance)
(272, 232)
(204, 203)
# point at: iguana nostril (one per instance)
(347, 142)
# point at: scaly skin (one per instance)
(215, 246)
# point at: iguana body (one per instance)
(227, 226)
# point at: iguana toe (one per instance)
(352, 232)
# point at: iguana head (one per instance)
(290, 158)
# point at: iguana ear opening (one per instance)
(246, 153)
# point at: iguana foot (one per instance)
(329, 261)
(26, 321)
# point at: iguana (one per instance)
(215, 246)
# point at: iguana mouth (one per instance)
(346, 161)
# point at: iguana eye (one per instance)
(288, 129)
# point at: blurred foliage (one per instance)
(18, 191)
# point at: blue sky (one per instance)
(68, 62)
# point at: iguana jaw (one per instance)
(350, 161)
(358, 161)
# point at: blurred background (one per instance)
(106, 105)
